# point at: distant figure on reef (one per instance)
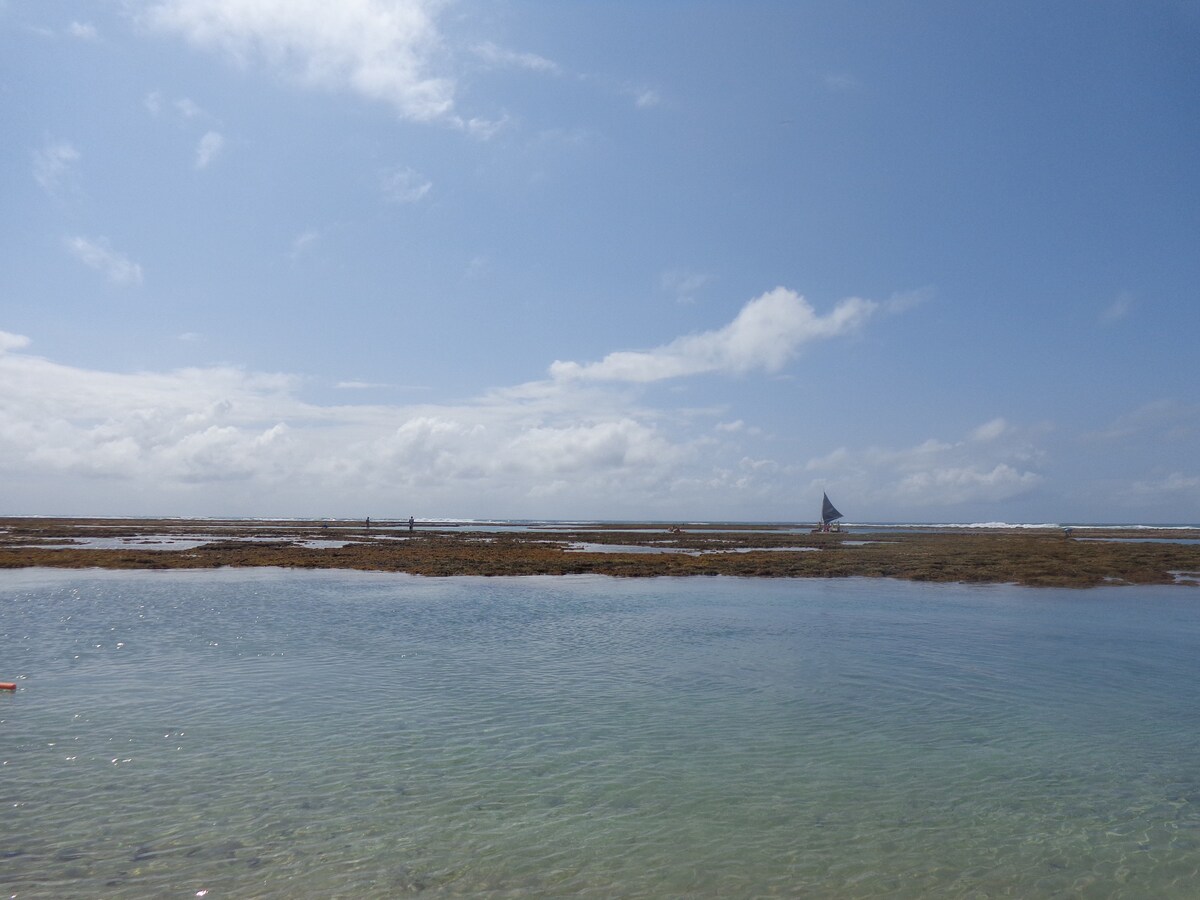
(1067, 533)
(410, 523)
(368, 523)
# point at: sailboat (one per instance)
(828, 514)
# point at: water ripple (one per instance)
(282, 734)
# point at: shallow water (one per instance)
(271, 733)
(1136, 540)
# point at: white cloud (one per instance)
(621, 445)
(481, 128)
(377, 49)
(186, 108)
(995, 462)
(404, 185)
(767, 332)
(208, 149)
(981, 469)
(950, 485)
(56, 167)
(646, 98)
(903, 301)
(10, 341)
(832, 461)
(1157, 417)
(163, 432)
(499, 56)
(242, 442)
(83, 31)
(683, 283)
(989, 431)
(97, 254)
(1169, 485)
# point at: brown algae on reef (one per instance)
(1036, 557)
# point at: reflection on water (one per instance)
(270, 733)
(587, 547)
(1137, 540)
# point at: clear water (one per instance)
(269, 733)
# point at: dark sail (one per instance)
(828, 510)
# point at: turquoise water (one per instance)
(269, 733)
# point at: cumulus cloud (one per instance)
(988, 466)
(165, 431)
(208, 149)
(767, 333)
(179, 423)
(377, 49)
(97, 254)
(56, 167)
(995, 462)
(10, 341)
(249, 443)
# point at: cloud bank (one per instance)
(561, 445)
(220, 440)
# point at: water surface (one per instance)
(271, 733)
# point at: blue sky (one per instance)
(601, 260)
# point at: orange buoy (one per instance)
(7, 686)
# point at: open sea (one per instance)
(278, 733)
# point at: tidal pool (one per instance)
(279, 733)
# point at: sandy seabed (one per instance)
(1038, 557)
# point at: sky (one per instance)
(622, 260)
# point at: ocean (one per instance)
(280, 733)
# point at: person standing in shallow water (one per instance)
(410, 523)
